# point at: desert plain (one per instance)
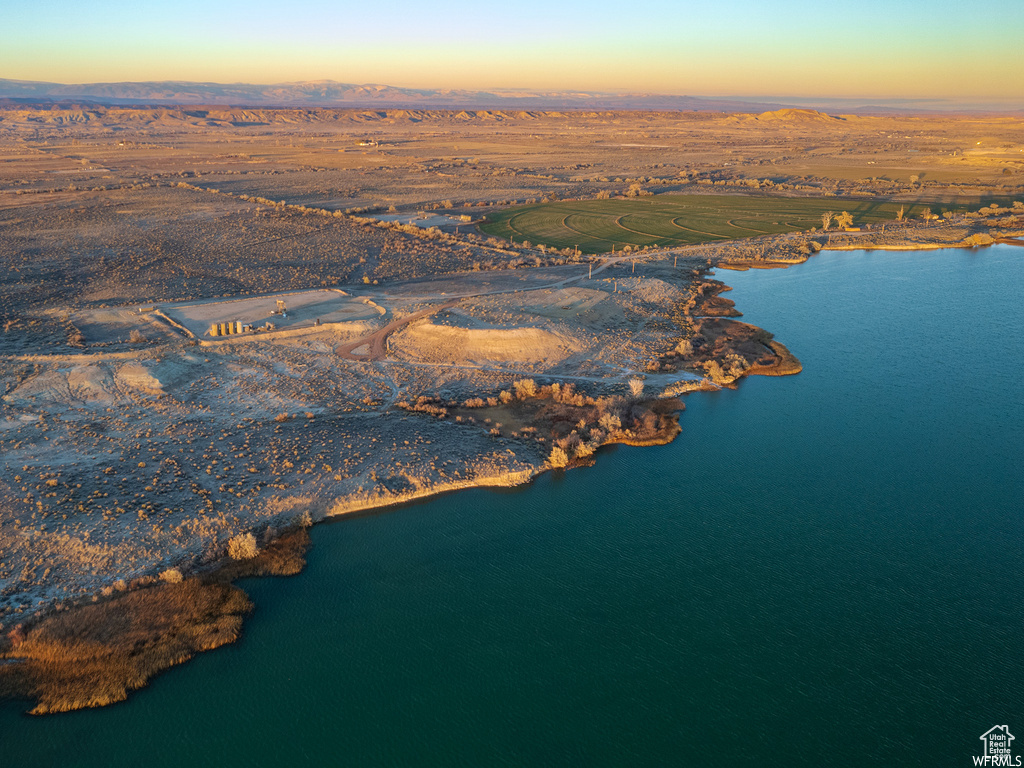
(222, 325)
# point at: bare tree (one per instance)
(242, 547)
(525, 388)
(558, 457)
(610, 423)
(826, 219)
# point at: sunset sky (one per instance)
(939, 49)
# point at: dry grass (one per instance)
(285, 557)
(94, 655)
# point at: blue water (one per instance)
(822, 570)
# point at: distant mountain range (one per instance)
(327, 93)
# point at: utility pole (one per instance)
(590, 272)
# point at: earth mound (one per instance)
(427, 342)
(797, 116)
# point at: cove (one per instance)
(822, 569)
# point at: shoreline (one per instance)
(509, 479)
(785, 364)
(908, 247)
(39, 660)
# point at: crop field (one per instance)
(598, 226)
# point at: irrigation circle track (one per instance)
(595, 226)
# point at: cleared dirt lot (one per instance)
(302, 309)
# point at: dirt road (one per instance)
(376, 349)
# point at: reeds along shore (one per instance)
(95, 654)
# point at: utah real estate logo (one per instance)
(997, 751)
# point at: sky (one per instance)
(881, 49)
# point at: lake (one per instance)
(822, 570)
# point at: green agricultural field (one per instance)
(598, 226)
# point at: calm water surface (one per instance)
(823, 569)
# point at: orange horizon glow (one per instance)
(738, 48)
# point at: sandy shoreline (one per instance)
(374, 504)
